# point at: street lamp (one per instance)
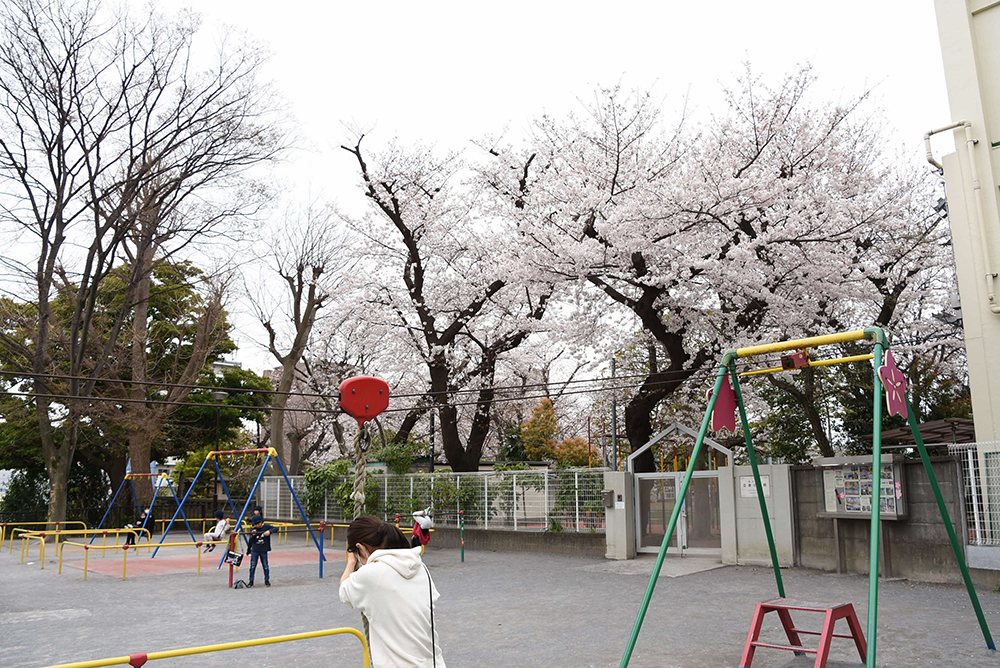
(219, 396)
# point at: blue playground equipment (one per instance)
(129, 477)
(271, 453)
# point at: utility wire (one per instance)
(703, 374)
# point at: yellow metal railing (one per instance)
(27, 535)
(88, 548)
(17, 526)
(140, 659)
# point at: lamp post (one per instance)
(218, 396)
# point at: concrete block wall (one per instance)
(916, 548)
(581, 543)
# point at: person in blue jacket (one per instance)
(260, 545)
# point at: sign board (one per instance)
(850, 486)
(748, 488)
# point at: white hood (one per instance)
(405, 561)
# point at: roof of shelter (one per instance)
(947, 430)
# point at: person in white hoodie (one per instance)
(393, 589)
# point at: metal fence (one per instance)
(563, 499)
(981, 482)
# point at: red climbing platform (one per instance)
(783, 606)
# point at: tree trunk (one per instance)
(294, 453)
(806, 399)
(139, 436)
(140, 440)
(58, 461)
(278, 406)
(638, 426)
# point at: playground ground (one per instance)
(496, 609)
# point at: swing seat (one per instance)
(832, 613)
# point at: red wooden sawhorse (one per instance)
(826, 636)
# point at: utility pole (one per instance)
(614, 417)
(430, 465)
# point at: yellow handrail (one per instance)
(42, 535)
(87, 549)
(140, 659)
(17, 525)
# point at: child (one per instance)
(144, 521)
(422, 525)
(219, 532)
(260, 545)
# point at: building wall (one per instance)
(744, 540)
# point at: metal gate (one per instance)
(698, 526)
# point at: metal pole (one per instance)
(876, 522)
(430, 464)
(756, 478)
(614, 418)
(461, 531)
(101, 525)
(546, 474)
(948, 526)
(626, 657)
(181, 505)
(513, 492)
(576, 494)
(973, 474)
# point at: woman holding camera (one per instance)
(387, 582)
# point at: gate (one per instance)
(698, 528)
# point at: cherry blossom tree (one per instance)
(754, 225)
(448, 278)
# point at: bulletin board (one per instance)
(850, 486)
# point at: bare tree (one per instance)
(104, 120)
(308, 258)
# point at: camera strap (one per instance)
(430, 590)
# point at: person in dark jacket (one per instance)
(145, 521)
(260, 545)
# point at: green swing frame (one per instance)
(728, 368)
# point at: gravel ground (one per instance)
(496, 609)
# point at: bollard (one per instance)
(461, 531)
(232, 548)
(322, 528)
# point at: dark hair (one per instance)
(374, 533)
(219, 514)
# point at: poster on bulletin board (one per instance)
(851, 485)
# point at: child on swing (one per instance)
(219, 532)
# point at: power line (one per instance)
(667, 377)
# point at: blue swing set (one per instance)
(129, 477)
(271, 454)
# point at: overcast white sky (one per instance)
(449, 72)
